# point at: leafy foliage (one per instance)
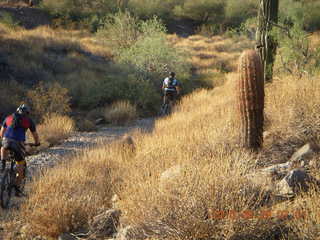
(296, 56)
(202, 10)
(143, 47)
(51, 99)
(8, 20)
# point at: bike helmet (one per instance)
(23, 109)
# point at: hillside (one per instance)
(184, 176)
(189, 167)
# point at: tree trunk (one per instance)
(267, 45)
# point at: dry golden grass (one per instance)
(306, 219)
(200, 137)
(121, 113)
(66, 197)
(212, 55)
(55, 128)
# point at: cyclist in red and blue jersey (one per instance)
(13, 133)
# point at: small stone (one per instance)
(67, 236)
(106, 223)
(294, 182)
(100, 121)
(129, 233)
(304, 153)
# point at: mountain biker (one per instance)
(171, 88)
(13, 133)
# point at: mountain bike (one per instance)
(166, 108)
(9, 178)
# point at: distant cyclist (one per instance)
(13, 133)
(171, 88)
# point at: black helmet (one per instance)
(172, 74)
(23, 109)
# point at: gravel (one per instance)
(80, 141)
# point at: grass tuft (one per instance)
(121, 113)
(55, 128)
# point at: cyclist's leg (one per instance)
(172, 99)
(165, 98)
(19, 156)
(4, 152)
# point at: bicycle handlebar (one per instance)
(32, 144)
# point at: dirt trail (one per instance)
(78, 142)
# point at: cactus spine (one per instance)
(267, 17)
(250, 96)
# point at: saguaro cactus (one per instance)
(250, 97)
(267, 17)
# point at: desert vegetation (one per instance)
(191, 166)
(190, 177)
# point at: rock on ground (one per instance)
(105, 224)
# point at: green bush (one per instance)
(147, 55)
(79, 7)
(303, 11)
(202, 11)
(8, 20)
(149, 8)
(142, 44)
(295, 55)
(153, 54)
(80, 13)
(120, 30)
(238, 11)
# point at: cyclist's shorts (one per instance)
(16, 147)
(171, 95)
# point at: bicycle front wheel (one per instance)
(6, 189)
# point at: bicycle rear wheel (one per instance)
(165, 110)
(6, 187)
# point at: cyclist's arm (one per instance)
(163, 84)
(34, 133)
(36, 138)
(3, 129)
(178, 88)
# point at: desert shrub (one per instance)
(149, 8)
(80, 14)
(238, 12)
(123, 29)
(296, 56)
(8, 20)
(153, 54)
(55, 128)
(147, 54)
(78, 8)
(120, 30)
(202, 11)
(95, 113)
(11, 95)
(85, 125)
(120, 113)
(305, 12)
(47, 99)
